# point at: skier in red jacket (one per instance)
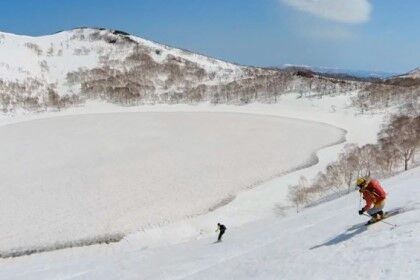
(374, 195)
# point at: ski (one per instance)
(386, 215)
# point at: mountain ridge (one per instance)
(71, 66)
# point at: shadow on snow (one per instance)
(359, 228)
(348, 234)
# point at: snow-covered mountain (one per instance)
(70, 67)
(343, 72)
(414, 74)
(410, 79)
(36, 71)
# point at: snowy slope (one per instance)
(328, 241)
(22, 56)
(263, 241)
(324, 242)
(150, 255)
(108, 175)
(34, 69)
(414, 74)
(69, 68)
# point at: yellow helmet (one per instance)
(361, 182)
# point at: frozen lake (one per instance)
(80, 176)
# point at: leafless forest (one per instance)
(398, 142)
(132, 73)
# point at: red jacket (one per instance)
(373, 193)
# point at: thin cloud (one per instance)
(347, 11)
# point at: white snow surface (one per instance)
(328, 241)
(120, 172)
(265, 238)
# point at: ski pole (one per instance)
(394, 225)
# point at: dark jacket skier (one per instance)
(221, 229)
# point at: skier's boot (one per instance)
(380, 215)
(372, 220)
(376, 217)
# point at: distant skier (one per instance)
(374, 194)
(221, 229)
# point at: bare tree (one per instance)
(298, 194)
(349, 163)
(402, 134)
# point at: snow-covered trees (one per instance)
(381, 94)
(401, 137)
(397, 144)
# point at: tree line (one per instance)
(398, 142)
(131, 73)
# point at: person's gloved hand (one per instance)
(361, 211)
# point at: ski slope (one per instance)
(324, 242)
(265, 239)
(328, 241)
